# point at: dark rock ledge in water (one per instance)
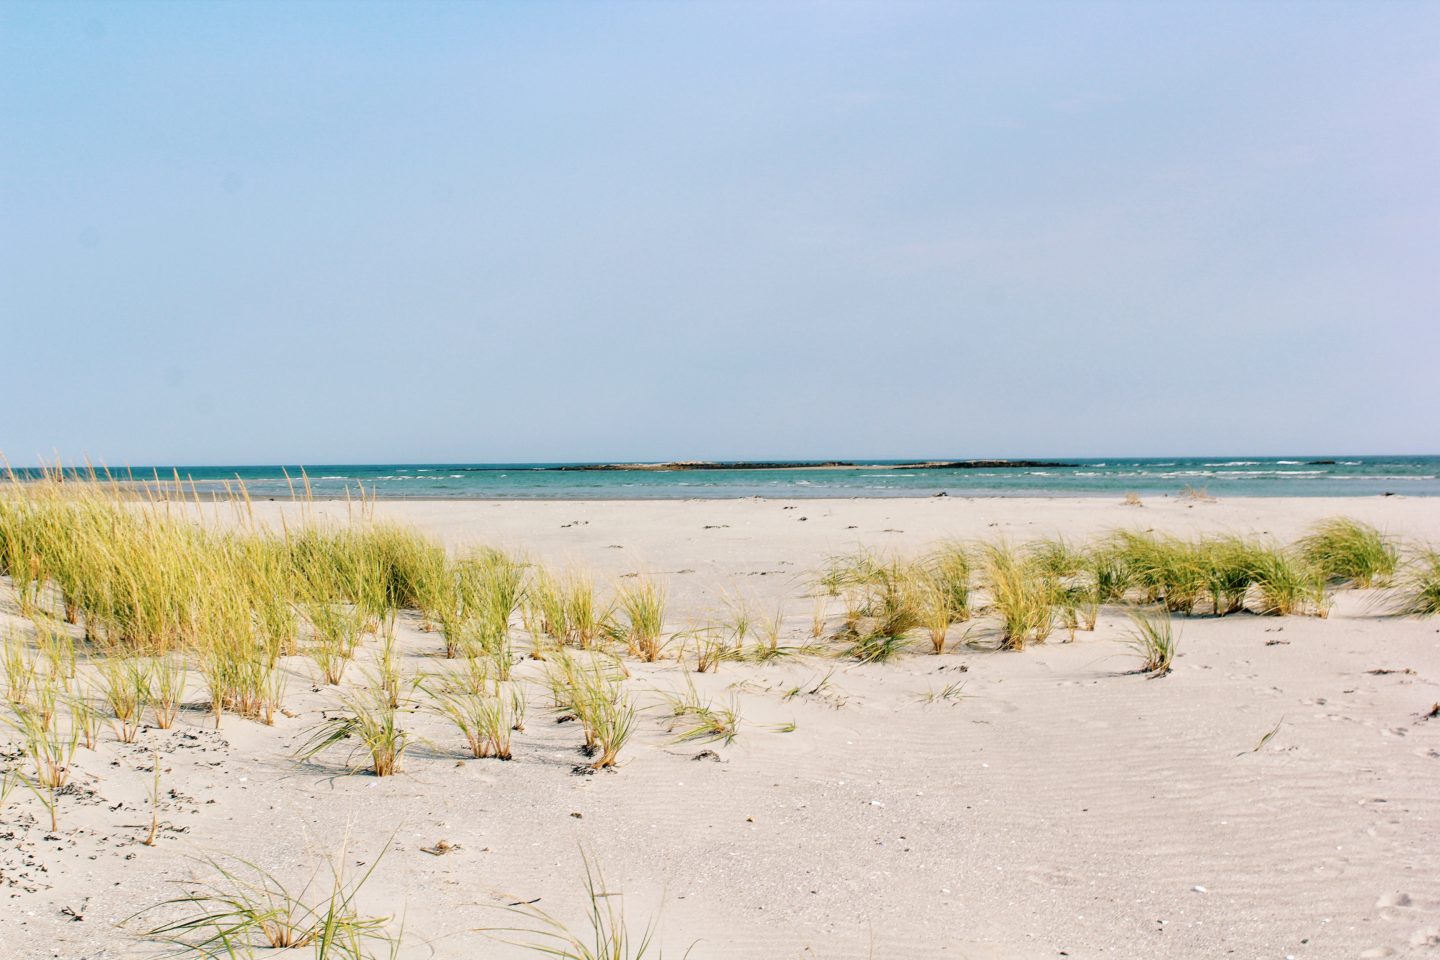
(805, 465)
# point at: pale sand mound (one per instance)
(1059, 806)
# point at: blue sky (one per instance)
(317, 232)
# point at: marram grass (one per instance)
(1348, 551)
(1420, 586)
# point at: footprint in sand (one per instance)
(1049, 875)
(1425, 937)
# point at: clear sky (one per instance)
(243, 232)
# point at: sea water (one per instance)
(1220, 476)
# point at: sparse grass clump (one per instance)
(708, 647)
(605, 935)
(1021, 595)
(371, 717)
(935, 616)
(127, 690)
(483, 713)
(949, 571)
(336, 633)
(700, 719)
(593, 696)
(567, 609)
(166, 689)
(19, 668)
(1346, 551)
(1420, 587)
(885, 602)
(1166, 569)
(643, 603)
(1288, 585)
(1152, 636)
(1229, 566)
(50, 747)
(243, 909)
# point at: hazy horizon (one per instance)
(259, 233)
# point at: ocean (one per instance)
(1221, 476)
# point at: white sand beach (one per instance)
(1052, 804)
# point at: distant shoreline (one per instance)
(680, 465)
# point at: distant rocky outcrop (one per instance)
(820, 465)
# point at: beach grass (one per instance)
(604, 935)
(1346, 551)
(1288, 585)
(242, 909)
(1022, 596)
(1153, 638)
(1420, 585)
(643, 603)
(371, 717)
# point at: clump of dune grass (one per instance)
(1069, 573)
(587, 616)
(1109, 576)
(485, 714)
(1152, 636)
(1021, 595)
(87, 719)
(166, 689)
(544, 607)
(238, 664)
(593, 696)
(371, 717)
(707, 645)
(939, 591)
(948, 569)
(738, 622)
(819, 617)
(847, 571)
(126, 684)
(19, 668)
(401, 567)
(950, 693)
(56, 646)
(1167, 569)
(50, 747)
(336, 633)
(884, 606)
(493, 584)
(44, 700)
(242, 909)
(1288, 585)
(697, 718)
(1229, 566)
(1200, 494)
(604, 935)
(935, 616)
(488, 588)
(1420, 585)
(610, 714)
(643, 603)
(767, 646)
(567, 609)
(1346, 551)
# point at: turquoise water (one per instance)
(1222, 476)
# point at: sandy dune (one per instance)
(1059, 806)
